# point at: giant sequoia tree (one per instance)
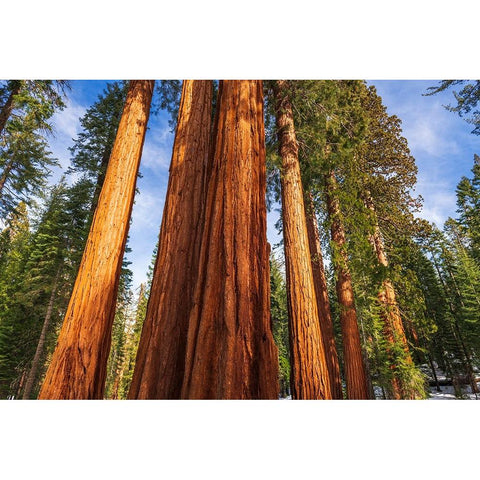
(161, 354)
(78, 365)
(310, 377)
(230, 349)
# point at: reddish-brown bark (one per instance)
(7, 108)
(230, 349)
(323, 302)
(309, 372)
(355, 374)
(160, 360)
(78, 366)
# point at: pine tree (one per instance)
(279, 315)
(467, 99)
(93, 146)
(25, 161)
(15, 245)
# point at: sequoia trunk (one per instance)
(230, 350)
(78, 366)
(323, 302)
(355, 374)
(7, 109)
(309, 372)
(160, 360)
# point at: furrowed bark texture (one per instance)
(323, 302)
(160, 360)
(355, 375)
(230, 351)
(393, 326)
(78, 366)
(309, 372)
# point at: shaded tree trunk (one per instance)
(393, 326)
(160, 360)
(41, 341)
(309, 372)
(355, 374)
(4, 176)
(230, 350)
(78, 366)
(323, 302)
(7, 109)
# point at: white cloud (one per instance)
(144, 229)
(66, 125)
(155, 156)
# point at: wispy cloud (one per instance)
(439, 140)
(66, 127)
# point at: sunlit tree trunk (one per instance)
(78, 366)
(309, 372)
(230, 350)
(160, 360)
(323, 302)
(355, 374)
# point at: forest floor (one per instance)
(447, 393)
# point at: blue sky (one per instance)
(439, 140)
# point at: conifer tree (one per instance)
(230, 350)
(279, 315)
(78, 366)
(160, 362)
(310, 377)
(15, 245)
(467, 99)
(25, 108)
(93, 146)
(323, 302)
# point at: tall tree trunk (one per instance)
(390, 313)
(230, 350)
(355, 375)
(4, 175)
(7, 109)
(100, 179)
(160, 360)
(41, 341)
(323, 302)
(309, 371)
(434, 373)
(78, 366)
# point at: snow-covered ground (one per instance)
(447, 393)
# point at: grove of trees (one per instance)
(362, 298)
